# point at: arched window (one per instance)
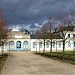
(25, 45)
(11, 45)
(18, 44)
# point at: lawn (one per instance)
(2, 60)
(69, 56)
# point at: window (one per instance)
(40, 44)
(34, 44)
(59, 44)
(25, 44)
(18, 44)
(74, 35)
(47, 44)
(74, 43)
(68, 35)
(69, 44)
(11, 45)
(53, 44)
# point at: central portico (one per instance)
(18, 40)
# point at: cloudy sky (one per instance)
(32, 13)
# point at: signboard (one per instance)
(18, 36)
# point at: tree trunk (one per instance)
(63, 48)
(36, 45)
(51, 48)
(2, 49)
(39, 46)
(73, 48)
(56, 45)
(44, 47)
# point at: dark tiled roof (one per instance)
(47, 37)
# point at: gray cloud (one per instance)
(33, 11)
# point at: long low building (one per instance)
(21, 40)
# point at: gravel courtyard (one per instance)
(28, 63)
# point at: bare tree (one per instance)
(67, 23)
(50, 25)
(37, 34)
(3, 29)
(43, 34)
(47, 32)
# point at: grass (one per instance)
(2, 60)
(69, 56)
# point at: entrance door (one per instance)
(25, 45)
(11, 45)
(18, 45)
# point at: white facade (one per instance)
(28, 44)
(57, 44)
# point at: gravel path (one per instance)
(27, 63)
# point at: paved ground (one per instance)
(27, 63)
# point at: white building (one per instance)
(19, 40)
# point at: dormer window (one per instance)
(68, 35)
